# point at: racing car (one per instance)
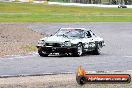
(122, 5)
(70, 41)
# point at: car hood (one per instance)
(56, 39)
(60, 39)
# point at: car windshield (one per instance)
(70, 33)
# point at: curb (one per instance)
(71, 4)
(28, 75)
(63, 73)
(86, 5)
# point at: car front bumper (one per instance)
(59, 49)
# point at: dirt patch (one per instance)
(17, 39)
(53, 81)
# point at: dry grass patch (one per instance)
(17, 39)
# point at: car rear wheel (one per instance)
(97, 50)
(79, 50)
(42, 53)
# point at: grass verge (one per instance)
(27, 12)
(29, 48)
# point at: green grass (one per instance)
(29, 48)
(27, 12)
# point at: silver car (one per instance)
(70, 41)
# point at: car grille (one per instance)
(53, 44)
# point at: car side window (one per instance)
(88, 34)
(92, 34)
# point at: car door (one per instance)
(85, 41)
(97, 39)
(90, 40)
(87, 38)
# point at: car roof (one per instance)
(75, 28)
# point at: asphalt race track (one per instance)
(116, 55)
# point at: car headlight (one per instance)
(67, 43)
(41, 42)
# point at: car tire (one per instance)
(79, 50)
(97, 50)
(42, 53)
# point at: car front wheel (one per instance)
(42, 53)
(79, 50)
(97, 50)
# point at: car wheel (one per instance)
(42, 53)
(97, 50)
(79, 50)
